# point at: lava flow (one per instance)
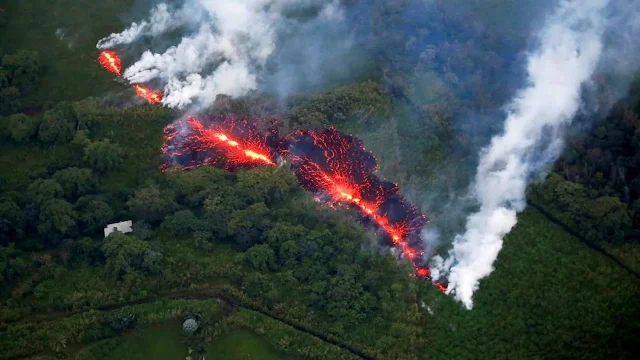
(219, 141)
(153, 97)
(327, 163)
(110, 61)
(337, 167)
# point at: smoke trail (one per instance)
(227, 52)
(160, 21)
(570, 46)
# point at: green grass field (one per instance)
(158, 342)
(242, 345)
(548, 290)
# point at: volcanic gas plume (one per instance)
(212, 47)
(218, 141)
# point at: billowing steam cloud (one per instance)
(226, 53)
(161, 21)
(570, 46)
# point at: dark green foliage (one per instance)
(89, 113)
(9, 99)
(126, 254)
(193, 187)
(601, 160)
(58, 125)
(600, 219)
(362, 101)
(248, 225)
(89, 249)
(265, 184)
(93, 214)
(288, 253)
(57, 218)
(12, 221)
(103, 155)
(12, 265)
(22, 127)
(75, 181)
(142, 230)
(23, 69)
(152, 204)
(43, 190)
(261, 257)
(346, 300)
(152, 262)
(181, 224)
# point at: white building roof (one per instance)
(124, 227)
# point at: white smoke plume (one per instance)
(161, 20)
(225, 55)
(570, 47)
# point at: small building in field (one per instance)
(124, 227)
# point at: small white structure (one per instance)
(124, 227)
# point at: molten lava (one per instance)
(334, 166)
(440, 286)
(153, 97)
(110, 61)
(337, 167)
(219, 141)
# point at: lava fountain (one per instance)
(110, 61)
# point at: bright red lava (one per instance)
(328, 163)
(110, 61)
(338, 167)
(220, 141)
(153, 97)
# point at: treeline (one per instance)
(595, 186)
(19, 76)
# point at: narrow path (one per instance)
(199, 295)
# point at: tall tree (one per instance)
(22, 127)
(74, 181)
(152, 204)
(57, 218)
(126, 253)
(43, 190)
(93, 214)
(58, 125)
(23, 68)
(12, 221)
(103, 155)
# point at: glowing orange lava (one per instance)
(441, 287)
(339, 168)
(223, 141)
(110, 61)
(153, 97)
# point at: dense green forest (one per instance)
(250, 256)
